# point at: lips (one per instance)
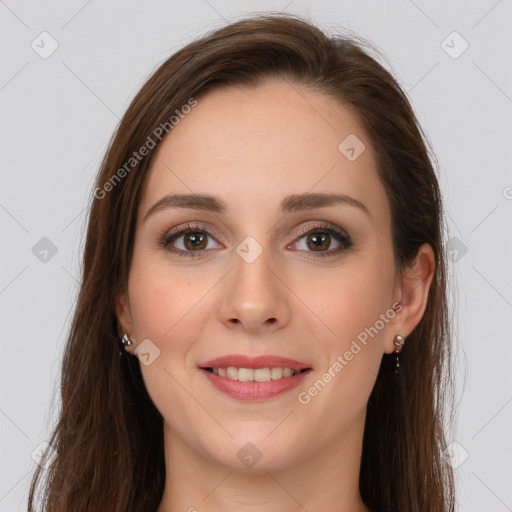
(241, 361)
(293, 373)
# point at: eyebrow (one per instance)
(290, 204)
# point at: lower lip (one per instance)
(254, 390)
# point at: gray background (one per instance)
(58, 112)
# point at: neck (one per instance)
(323, 481)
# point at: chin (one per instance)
(256, 454)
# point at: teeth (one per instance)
(261, 374)
(276, 373)
(245, 374)
(254, 375)
(232, 373)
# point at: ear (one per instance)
(412, 294)
(124, 318)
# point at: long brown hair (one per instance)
(109, 437)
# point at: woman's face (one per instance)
(268, 275)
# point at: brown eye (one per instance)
(193, 241)
(196, 240)
(320, 238)
(318, 241)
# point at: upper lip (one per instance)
(241, 361)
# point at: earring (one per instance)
(126, 341)
(399, 343)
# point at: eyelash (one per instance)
(327, 228)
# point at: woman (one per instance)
(262, 322)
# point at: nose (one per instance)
(255, 297)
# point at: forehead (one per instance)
(253, 146)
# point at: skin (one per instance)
(253, 147)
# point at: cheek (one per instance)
(348, 301)
(165, 307)
(168, 306)
(350, 333)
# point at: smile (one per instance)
(254, 374)
(261, 377)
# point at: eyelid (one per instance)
(318, 226)
(190, 226)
